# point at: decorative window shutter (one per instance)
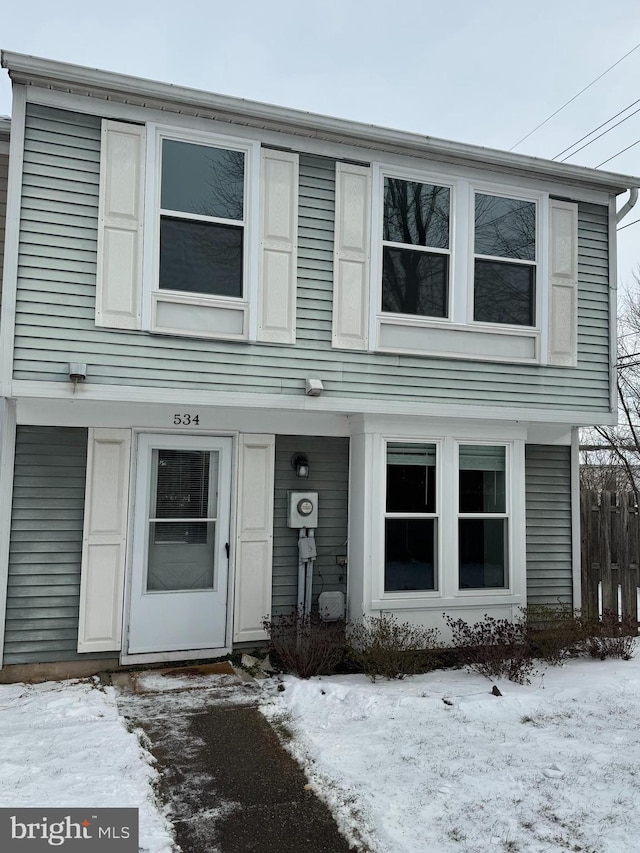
(104, 540)
(563, 284)
(120, 223)
(254, 546)
(352, 252)
(278, 246)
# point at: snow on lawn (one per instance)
(64, 744)
(437, 763)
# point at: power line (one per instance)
(622, 227)
(613, 156)
(571, 100)
(604, 133)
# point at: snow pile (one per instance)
(437, 762)
(64, 744)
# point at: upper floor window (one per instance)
(202, 219)
(504, 287)
(416, 248)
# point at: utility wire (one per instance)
(622, 227)
(613, 156)
(604, 132)
(571, 100)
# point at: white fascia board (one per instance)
(180, 398)
(105, 84)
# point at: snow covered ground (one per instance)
(433, 763)
(437, 763)
(64, 744)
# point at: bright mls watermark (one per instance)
(105, 830)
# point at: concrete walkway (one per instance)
(230, 785)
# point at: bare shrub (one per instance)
(496, 648)
(613, 637)
(383, 647)
(305, 645)
(555, 632)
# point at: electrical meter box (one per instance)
(303, 509)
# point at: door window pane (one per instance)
(482, 479)
(416, 213)
(410, 549)
(202, 180)
(504, 293)
(505, 227)
(182, 520)
(414, 282)
(182, 489)
(482, 549)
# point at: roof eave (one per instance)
(48, 73)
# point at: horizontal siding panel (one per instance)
(43, 589)
(549, 534)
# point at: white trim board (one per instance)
(12, 236)
(302, 403)
(7, 459)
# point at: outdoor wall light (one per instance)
(313, 387)
(300, 464)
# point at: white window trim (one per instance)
(448, 592)
(461, 265)
(151, 249)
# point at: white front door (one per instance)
(180, 544)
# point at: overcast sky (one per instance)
(479, 71)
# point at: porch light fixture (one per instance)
(300, 464)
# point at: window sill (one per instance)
(421, 336)
(437, 601)
(190, 315)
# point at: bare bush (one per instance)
(305, 645)
(383, 647)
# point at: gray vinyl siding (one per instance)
(43, 589)
(4, 172)
(56, 302)
(548, 502)
(329, 476)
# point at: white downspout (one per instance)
(626, 207)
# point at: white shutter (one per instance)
(254, 546)
(563, 283)
(104, 540)
(278, 247)
(120, 222)
(351, 257)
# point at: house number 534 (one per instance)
(186, 420)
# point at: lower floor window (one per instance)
(418, 508)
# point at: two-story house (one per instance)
(209, 303)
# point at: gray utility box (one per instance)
(303, 509)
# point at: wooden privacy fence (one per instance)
(610, 540)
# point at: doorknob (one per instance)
(226, 548)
